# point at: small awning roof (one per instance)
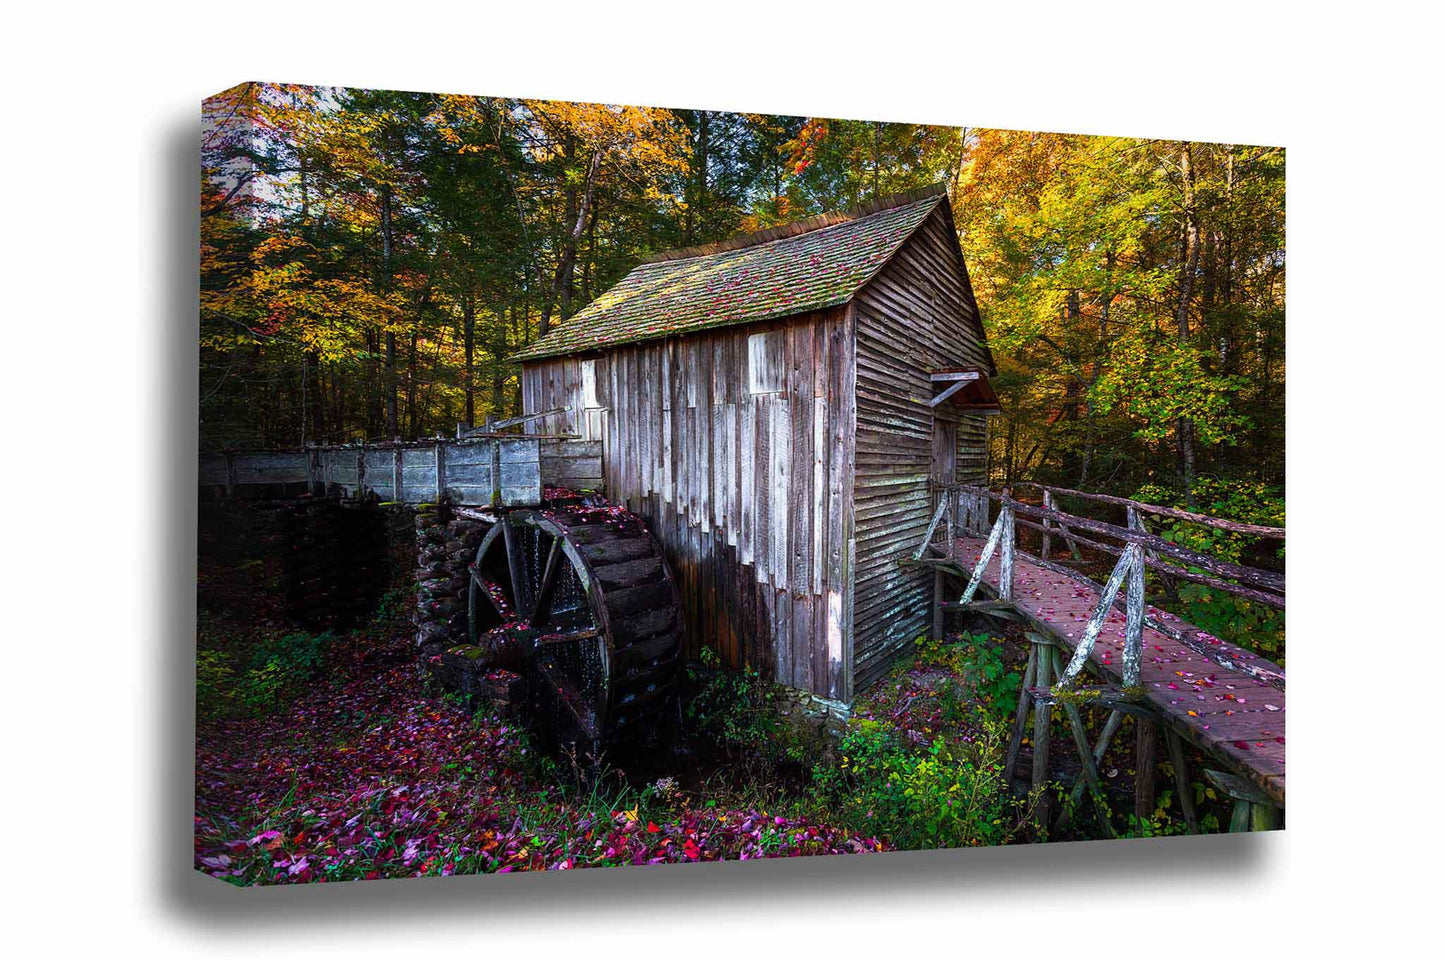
(964, 390)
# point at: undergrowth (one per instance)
(261, 681)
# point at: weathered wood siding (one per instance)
(735, 445)
(917, 315)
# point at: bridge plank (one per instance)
(1176, 679)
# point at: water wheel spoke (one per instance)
(542, 609)
(574, 705)
(516, 567)
(494, 593)
(575, 636)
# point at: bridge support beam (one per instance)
(1043, 714)
(1146, 759)
(1253, 811)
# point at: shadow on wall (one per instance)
(203, 903)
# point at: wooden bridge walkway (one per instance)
(1227, 701)
(1229, 715)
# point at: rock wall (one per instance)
(815, 720)
(445, 546)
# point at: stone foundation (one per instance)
(445, 546)
(813, 719)
(462, 668)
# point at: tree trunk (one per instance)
(338, 404)
(591, 252)
(469, 332)
(1072, 464)
(1008, 454)
(877, 157)
(562, 280)
(411, 364)
(1101, 351)
(499, 365)
(312, 387)
(390, 388)
(697, 192)
(373, 386)
(1189, 259)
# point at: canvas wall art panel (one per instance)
(591, 485)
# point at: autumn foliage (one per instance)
(372, 260)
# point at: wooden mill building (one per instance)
(779, 408)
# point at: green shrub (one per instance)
(259, 690)
(277, 667)
(947, 795)
(1254, 626)
(215, 679)
(1246, 501)
(994, 682)
(742, 713)
(392, 605)
(981, 662)
(297, 655)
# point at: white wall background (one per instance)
(97, 221)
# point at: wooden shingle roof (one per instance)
(812, 265)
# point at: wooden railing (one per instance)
(963, 510)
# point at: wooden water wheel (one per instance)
(577, 597)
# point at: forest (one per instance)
(371, 261)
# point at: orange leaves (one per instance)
(802, 148)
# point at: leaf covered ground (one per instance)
(367, 774)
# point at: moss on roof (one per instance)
(814, 270)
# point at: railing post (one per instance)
(1136, 523)
(1042, 716)
(1134, 619)
(1006, 563)
(989, 546)
(1048, 505)
(441, 465)
(951, 499)
(1131, 555)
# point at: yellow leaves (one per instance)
(649, 140)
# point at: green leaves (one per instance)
(1155, 382)
(1074, 245)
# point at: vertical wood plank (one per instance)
(800, 432)
(847, 428)
(763, 488)
(781, 439)
(705, 475)
(439, 452)
(747, 476)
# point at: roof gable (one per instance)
(771, 278)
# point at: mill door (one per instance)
(945, 453)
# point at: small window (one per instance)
(766, 365)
